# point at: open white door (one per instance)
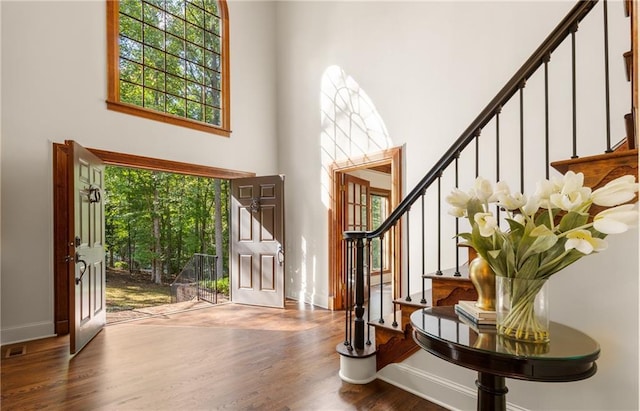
(86, 271)
(257, 241)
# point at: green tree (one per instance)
(157, 221)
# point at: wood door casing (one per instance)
(257, 241)
(385, 160)
(61, 238)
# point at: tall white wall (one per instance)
(54, 88)
(429, 68)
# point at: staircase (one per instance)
(392, 340)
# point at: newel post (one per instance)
(357, 360)
(359, 307)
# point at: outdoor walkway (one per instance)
(147, 312)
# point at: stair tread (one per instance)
(563, 165)
(415, 299)
(449, 274)
(388, 322)
(601, 168)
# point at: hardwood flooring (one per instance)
(226, 357)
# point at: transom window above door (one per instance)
(168, 61)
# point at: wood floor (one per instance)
(228, 357)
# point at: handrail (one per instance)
(543, 52)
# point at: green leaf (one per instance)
(546, 218)
(474, 206)
(497, 264)
(529, 268)
(572, 220)
(514, 226)
(541, 244)
(465, 236)
(566, 260)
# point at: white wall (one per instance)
(429, 68)
(54, 88)
(376, 179)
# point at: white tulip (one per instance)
(458, 198)
(545, 188)
(583, 241)
(571, 201)
(616, 192)
(482, 189)
(512, 201)
(616, 220)
(487, 223)
(572, 182)
(457, 212)
(532, 205)
(500, 189)
(573, 196)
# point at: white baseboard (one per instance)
(441, 391)
(438, 390)
(28, 332)
(313, 299)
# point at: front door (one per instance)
(86, 270)
(257, 241)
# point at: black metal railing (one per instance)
(200, 280)
(356, 241)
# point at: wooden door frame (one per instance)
(391, 157)
(61, 204)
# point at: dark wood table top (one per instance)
(569, 356)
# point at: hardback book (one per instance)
(470, 308)
(469, 318)
(479, 328)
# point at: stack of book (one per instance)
(468, 311)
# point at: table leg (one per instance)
(492, 392)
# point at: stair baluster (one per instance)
(521, 92)
(423, 300)
(547, 59)
(574, 87)
(457, 175)
(606, 76)
(368, 255)
(439, 270)
(381, 320)
(407, 231)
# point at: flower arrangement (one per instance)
(547, 231)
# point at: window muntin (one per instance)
(168, 61)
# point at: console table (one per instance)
(569, 356)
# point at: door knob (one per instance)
(280, 254)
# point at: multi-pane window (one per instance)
(168, 61)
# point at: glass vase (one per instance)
(522, 309)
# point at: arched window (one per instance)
(168, 60)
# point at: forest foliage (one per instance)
(156, 221)
(170, 57)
